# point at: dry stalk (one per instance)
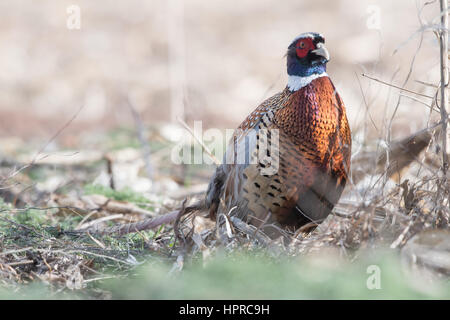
(146, 154)
(397, 87)
(146, 224)
(443, 40)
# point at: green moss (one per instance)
(125, 194)
(121, 138)
(69, 222)
(31, 217)
(3, 205)
(38, 173)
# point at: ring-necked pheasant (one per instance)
(287, 163)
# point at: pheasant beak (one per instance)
(322, 52)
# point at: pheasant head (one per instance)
(306, 60)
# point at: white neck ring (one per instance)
(296, 82)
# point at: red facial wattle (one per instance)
(303, 46)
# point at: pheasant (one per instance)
(288, 162)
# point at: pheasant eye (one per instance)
(302, 48)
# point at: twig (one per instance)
(19, 263)
(397, 87)
(365, 102)
(136, 226)
(176, 225)
(109, 169)
(419, 101)
(99, 279)
(100, 244)
(250, 231)
(443, 40)
(85, 218)
(125, 208)
(102, 219)
(144, 143)
(52, 138)
(426, 84)
(92, 253)
(4, 253)
(402, 236)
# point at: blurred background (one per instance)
(90, 94)
(213, 61)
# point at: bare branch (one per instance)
(141, 136)
(443, 39)
(397, 87)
